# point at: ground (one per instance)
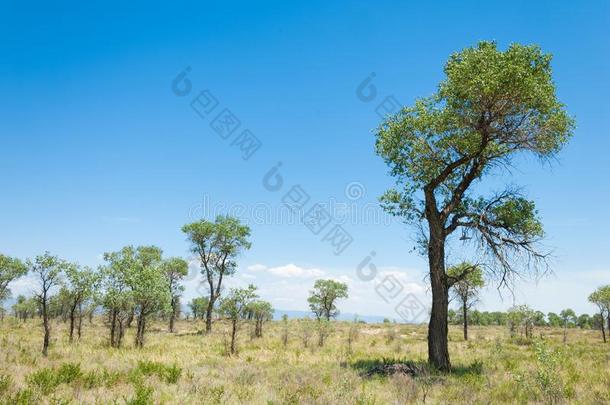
(188, 367)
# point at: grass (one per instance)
(188, 367)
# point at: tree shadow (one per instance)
(388, 366)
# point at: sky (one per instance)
(111, 134)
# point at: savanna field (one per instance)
(354, 366)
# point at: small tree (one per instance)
(466, 280)
(217, 244)
(584, 321)
(521, 317)
(48, 270)
(10, 269)
(175, 269)
(568, 317)
(198, 307)
(117, 298)
(322, 299)
(261, 311)
(554, 320)
(601, 298)
(235, 306)
(81, 283)
(149, 287)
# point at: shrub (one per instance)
(169, 374)
(5, 383)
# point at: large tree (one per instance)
(466, 279)
(217, 244)
(10, 269)
(492, 107)
(175, 269)
(48, 270)
(323, 298)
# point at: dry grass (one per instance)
(188, 367)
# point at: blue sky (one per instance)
(97, 151)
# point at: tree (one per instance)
(584, 321)
(261, 311)
(601, 298)
(198, 307)
(117, 298)
(48, 270)
(521, 316)
(217, 244)
(492, 106)
(465, 279)
(149, 286)
(554, 320)
(10, 269)
(568, 318)
(175, 269)
(234, 306)
(322, 299)
(25, 308)
(81, 283)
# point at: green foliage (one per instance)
(169, 374)
(237, 302)
(5, 383)
(46, 380)
(143, 396)
(491, 106)
(198, 307)
(218, 243)
(548, 377)
(10, 269)
(322, 299)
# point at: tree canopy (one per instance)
(322, 299)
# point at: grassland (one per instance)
(188, 367)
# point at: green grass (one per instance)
(188, 367)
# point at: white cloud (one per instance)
(257, 267)
(289, 271)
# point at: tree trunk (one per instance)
(47, 329)
(603, 330)
(438, 351)
(140, 331)
(465, 314)
(130, 318)
(72, 319)
(172, 316)
(113, 324)
(208, 316)
(80, 320)
(233, 335)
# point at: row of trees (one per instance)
(138, 283)
(466, 282)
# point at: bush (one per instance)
(46, 380)
(169, 374)
(5, 382)
(143, 396)
(43, 380)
